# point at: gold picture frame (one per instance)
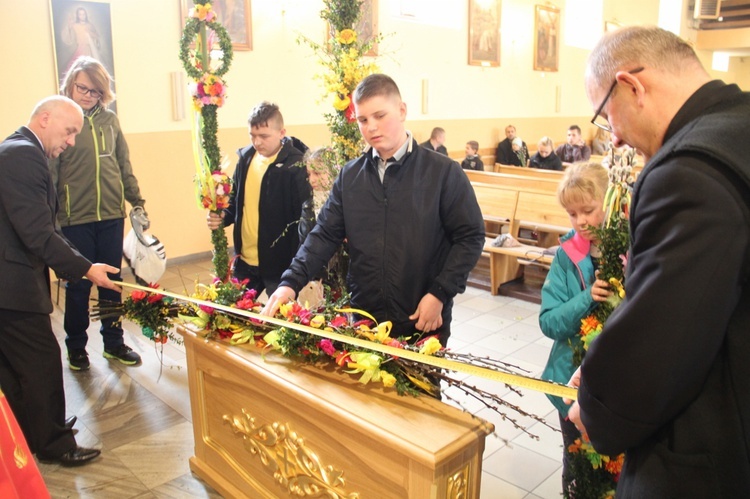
(484, 33)
(367, 27)
(234, 15)
(546, 38)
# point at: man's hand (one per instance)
(98, 275)
(428, 314)
(283, 294)
(574, 413)
(214, 220)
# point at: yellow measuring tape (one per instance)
(517, 380)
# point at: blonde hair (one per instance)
(582, 182)
(546, 141)
(96, 72)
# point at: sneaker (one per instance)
(124, 354)
(78, 360)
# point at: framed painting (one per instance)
(367, 27)
(547, 38)
(484, 32)
(234, 15)
(81, 28)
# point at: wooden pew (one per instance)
(498, 206)
(518, 182)
(534, 210)
(529, 172)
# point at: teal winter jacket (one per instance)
(566, 299)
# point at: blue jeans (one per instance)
(99, 242)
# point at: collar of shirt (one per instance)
(400, 154)
(36, 137)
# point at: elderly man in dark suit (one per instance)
(30, 243)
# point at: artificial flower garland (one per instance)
(348, 338)
(208, 90)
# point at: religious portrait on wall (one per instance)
(234, 15)
(546, 38)
(367, 27)
(81, 28)
(484, 32)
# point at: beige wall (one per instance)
(471, 103)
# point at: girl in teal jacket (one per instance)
(571, 290)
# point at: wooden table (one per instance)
(276, 428)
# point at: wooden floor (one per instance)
(140, 416)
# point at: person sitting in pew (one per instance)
(472, 161)
(519, 149)
(504, 153)
(545, 158)
(575, 149)
(436, 142)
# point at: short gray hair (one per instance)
(53, 102)
(634, 46)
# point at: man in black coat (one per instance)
(30, 243)
(668, 379)
(505, 155)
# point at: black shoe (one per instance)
(70, 422)
(124, 354)
(78, 360)
(74, 457)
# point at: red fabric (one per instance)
(19, 475)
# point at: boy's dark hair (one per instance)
(575, 127)
(264, 113)
(473, 144)
(374, 85)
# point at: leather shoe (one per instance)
(70, 422)
(74, 457)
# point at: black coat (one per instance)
(419, 231)
(441, 149)
(284, 190)
(30, 239)
(505, 155)
(668, 380)
(551, 162)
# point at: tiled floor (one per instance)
(140, 416)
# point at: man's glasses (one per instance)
(88, 91)
(604, 124)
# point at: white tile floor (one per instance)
(515, 466)
(508, 329)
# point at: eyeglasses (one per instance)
(605, 126)
(88, 91)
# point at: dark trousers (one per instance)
(242, 271)
(31, 378)
(100, 242)
(570, 433)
